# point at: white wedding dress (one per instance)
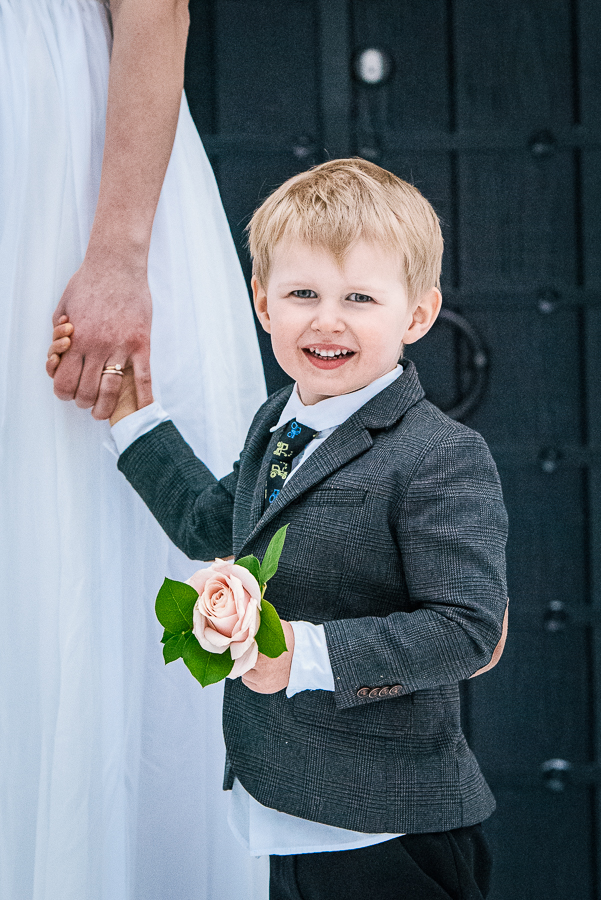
(110, 762)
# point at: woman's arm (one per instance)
(108, 299)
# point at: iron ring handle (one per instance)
(478, 367)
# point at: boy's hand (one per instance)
(272, 675)
(61, 341)
(128, 400)
(498, 651)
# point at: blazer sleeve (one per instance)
(190, 504)
(451, 530)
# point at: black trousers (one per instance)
(447, 865)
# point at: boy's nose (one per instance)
(328, 320)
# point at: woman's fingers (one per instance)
(111, 384)
(90, 382)
(68, 375)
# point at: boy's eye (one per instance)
(305, 294)
(360, 298)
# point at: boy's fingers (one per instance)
(58, 347)
(108, 395)
(59, 319)
(498, 651)
(64, 330)
(52, 364)
(251, 683)
(142, 379)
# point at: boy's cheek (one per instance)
(285, 356)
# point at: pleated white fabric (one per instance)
(110, 763)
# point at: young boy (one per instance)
(345, 754)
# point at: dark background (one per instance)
(493, 109)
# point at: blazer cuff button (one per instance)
(363, 692)
(375, 692)
(384, 692)
(395, 690)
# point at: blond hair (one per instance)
(335, 204)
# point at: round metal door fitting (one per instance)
(556, 774)
(548, 459)
(304, 147)
(476, 369)
(373, 66)
(556, 616)
(547, 301)
(542, 144)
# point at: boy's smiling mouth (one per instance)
(328, 357)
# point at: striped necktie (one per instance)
(294, 437)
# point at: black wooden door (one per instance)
(493, 108)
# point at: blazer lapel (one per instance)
(339, 448)
(258, 450)
(348, 441)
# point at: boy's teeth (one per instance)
(328, 354)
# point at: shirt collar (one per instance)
(335, 410)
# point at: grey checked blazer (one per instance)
(396, 543)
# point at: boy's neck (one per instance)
(386, 375)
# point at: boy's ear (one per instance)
(260, 302)
(424, 316)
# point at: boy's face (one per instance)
(335, 329)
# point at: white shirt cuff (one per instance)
(130, 428)
(310, 669)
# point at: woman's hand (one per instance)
(123, 385)
(110, 308)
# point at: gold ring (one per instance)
(113, 370)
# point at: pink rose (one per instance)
(227, 613)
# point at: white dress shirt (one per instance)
(260, 829)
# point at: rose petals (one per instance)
(224, 626)
(227, 612)
(246, 662)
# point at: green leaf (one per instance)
(251, 563)
(174, 604)
(208, 668)
(166, 636)
(270, 636)
(174, 647)
(269, 566)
